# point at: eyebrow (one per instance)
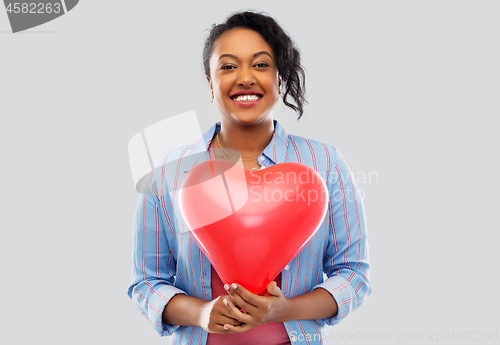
(235, 57)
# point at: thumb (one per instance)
(273, 289)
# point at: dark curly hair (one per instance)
(286, 53)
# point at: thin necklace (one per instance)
(224, 153)
(248, 159)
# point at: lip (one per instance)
(247, 92)
(246, 104)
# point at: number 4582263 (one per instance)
(25, 7)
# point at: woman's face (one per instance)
(243, 76)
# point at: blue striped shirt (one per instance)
(166, 260)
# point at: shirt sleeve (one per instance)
(153, 261)
(345, 261)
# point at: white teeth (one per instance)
(246, 98)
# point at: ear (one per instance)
(209, 82)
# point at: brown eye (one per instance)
(227, 67)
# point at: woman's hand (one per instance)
(257, 310)
(214, 315)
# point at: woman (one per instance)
(248, 61)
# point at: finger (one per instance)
(237, 329)
(222, 329)
(273, 289)
(229, 320)
(229, 297)
(236, 313)
(250, 299)
(223, 309)
(238, 300)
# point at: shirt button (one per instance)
(262, 158)
(286, 267)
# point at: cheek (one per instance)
(223, 85)
(271, 83)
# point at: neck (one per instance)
(248, 140)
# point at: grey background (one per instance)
(405, 89)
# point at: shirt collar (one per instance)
(275, 150)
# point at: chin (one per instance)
(251, 116)
(248, 119)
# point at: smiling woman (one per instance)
(248, 61)
(245, 86)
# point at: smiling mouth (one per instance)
(246, 98)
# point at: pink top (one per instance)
(273, 333)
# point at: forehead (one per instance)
(242, 43)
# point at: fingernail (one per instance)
(224, 300)
(226, 287)
(234, 285)
(227, 329)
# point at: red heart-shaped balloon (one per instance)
(250, 224)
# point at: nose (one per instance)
(246, 77)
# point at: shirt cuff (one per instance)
(343, 294)
(156, 305)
